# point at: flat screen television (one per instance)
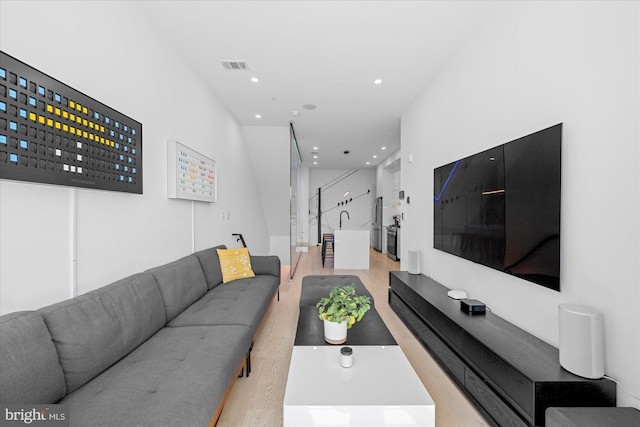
(501, 207)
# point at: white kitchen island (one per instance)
(351, 249)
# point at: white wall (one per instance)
(303, 208)
(109, 52)
(538, 64)
(268, 149)
(360, 209)
(388, 182)
(391, 195)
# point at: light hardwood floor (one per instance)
(257, 400)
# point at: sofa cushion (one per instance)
(211, 265)
(241, 302)
(181, 283)
(93, 331)
(235, 264)
(266, 264)
(29, 368)
(177, 378)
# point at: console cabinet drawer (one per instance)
(513, 383)
(416, 302)
(446, 357)
(397, 285)
(449, 331)
(409, 318)
(443, 354)
(490, 402)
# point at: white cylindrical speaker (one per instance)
(581, 340)
(413, 260)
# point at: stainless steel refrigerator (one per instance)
(376, 232)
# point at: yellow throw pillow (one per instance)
(235, 264)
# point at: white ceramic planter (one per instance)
(335, 333)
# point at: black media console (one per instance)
(511, 376)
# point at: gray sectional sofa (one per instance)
(158, 348)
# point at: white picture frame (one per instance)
(190, 175)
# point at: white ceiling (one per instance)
(326, 53)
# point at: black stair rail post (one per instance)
(319, 214)
(240, 239)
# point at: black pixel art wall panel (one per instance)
(51, 133)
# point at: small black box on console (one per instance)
(472, 306)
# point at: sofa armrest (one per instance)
(266, 264)
(30, 371)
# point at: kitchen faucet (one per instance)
(341, 218)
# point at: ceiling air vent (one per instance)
(235, 65)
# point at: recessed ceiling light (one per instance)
(315, 148)
(255, 79)
(384, 148)
(375, 157)
(315, 163)
(258, 116)
(315, 156)
(377, 81)
(367, 163)
(309, 106)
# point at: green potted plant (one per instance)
(340, 311)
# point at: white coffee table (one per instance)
(380, 389)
